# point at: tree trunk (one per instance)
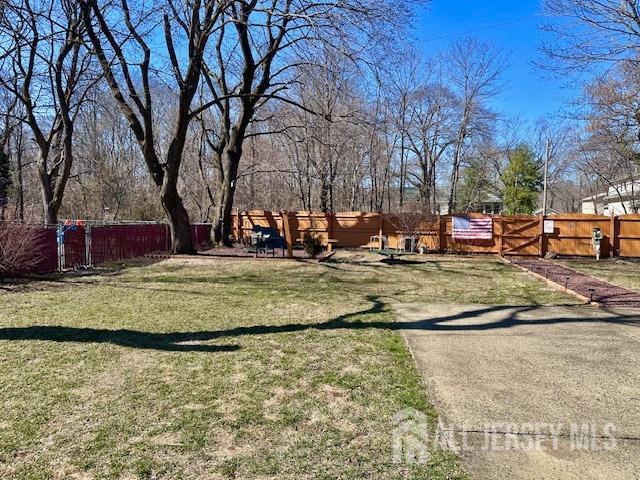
(224, 211)
(49, 210)
(181, 241)
(457, 160)
(324, 196)
(19, 180)
(225, 194)
(453, 189)
(50, 214)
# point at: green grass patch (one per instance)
(619, 272)
(226, 369)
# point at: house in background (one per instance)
(619, 199)
(490, 203)
(550, 211)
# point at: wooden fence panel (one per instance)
(629, 235)
(512, 235)
(245, 221)
(354, 229)
(572, 234)
(427, 230)
(313, 223)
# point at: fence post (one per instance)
(87, 244)
(541, 242)
(287, 233)
(329, 217)
(613, 236)
(381, 229)
(501, 237)
(442, 233)
(60, 243)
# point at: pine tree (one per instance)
(522, 181)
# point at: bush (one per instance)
(18, 254)
(312, 245)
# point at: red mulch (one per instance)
(604, 293)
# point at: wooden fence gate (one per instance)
(519, 236)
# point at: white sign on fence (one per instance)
(549, 226)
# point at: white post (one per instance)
(87, 244)
(546, 174)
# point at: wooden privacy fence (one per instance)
(512, 235)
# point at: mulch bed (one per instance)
(606, 294)
(242, 252)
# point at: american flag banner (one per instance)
(465, 228)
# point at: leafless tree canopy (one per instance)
(603, 38)
(189, 110)
(588, 32)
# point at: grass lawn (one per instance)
(207, 369)
(620, 272)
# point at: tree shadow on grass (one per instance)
(172, 342)
(183, 341)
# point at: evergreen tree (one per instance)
(522, 181)
(476, 186)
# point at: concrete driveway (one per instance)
(532, 392)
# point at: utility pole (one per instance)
(541, 244)
(546, 174)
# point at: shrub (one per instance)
(312, 245)
(18, 254)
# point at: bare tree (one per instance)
(259, 47)
(192, 23)
(602, 39)
(402, 83)
(431, 133)
(382, 140)
(475, 74)
(7, 126)
(597, 31)
(44, 67)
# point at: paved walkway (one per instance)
(599, 291)
(533, 392)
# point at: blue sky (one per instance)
(530, 93)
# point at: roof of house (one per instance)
(550, 211)
(591, 198)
